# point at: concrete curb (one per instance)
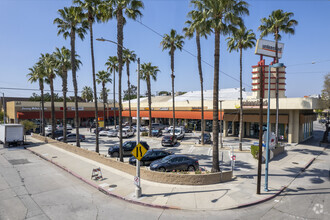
(102, 189)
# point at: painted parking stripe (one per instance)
(210, 152)
(191, 149)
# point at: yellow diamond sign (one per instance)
(139, 151)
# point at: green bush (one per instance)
(255, 151)
(144, 133)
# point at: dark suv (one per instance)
(169, 140)
(128, 146)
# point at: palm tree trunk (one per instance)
(42, 108)
(104, 101)
(215, 129)
(173, 98)
(199, 61)
(114, 98)
(65, 88)
(129, 95)
(277, 85)
(52, 106)
(75, 85)
(120, 37)
(240, 101)
(95, 90)
(149, 104)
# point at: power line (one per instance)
(46, 90)
(190, 53)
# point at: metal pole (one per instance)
(267, 134)
(221, 121)
(114, 99)
(138, 190)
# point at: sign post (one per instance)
(138, 190)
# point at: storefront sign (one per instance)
(79, 108)
(253, 104)
(164, 109)
(148, 109)
(267, 48)
(32, 108)
(196, 108)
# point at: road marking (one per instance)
(191, 149)
(210, 152)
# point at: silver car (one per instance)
(112, 133)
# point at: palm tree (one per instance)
(87, 94)
(92, 14)
(220, 14)
(103, 77)
(241, 39)
(70, 23)
(49, 63)
(131, 8)
(278, 21)
(129, 56)
(36, 75)
(149, 72)
(172, 42)
(112, 67)
(199, 25)
(63, 64)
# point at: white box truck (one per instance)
(12, 134)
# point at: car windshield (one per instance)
(165, 159)
(167, 137)
(154, 131)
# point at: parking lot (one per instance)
(188, 146)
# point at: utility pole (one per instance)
(261, 89)
(138, 190)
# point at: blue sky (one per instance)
(28, 30)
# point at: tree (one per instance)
(92, 13)
(326, 98)
(149, 72)
(87, 94)
(199, 25)
(103, 77)
(165, 93)
(240, 40)
(278, 21)
(70, 23)
(172, 42)
(37, 75)
(130, 93)
(112, 67)
(48, 63)
(63, 64)
(220, 14)
(28, 125)
(128, 57)
(131, 8)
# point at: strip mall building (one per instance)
(296, 115)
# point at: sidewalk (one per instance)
(237, 193)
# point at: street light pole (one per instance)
(138, 190)
(221, 142)
(276, 65)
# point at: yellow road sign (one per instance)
(139, 151)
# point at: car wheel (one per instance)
(191, 168)
(115, 154)
(162, 169)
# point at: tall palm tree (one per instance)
(49, 64)
(278, 21)
(220, 14)
(131, 8)
(149, 72)
(70, 23)
(240, 40)
(92, 13)
(198, 25)
(63, 64)
(172, 42)
(103, 77)
(87, 94)
(128, 57)
(36, 75)
(112, 67)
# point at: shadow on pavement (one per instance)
(186, 192)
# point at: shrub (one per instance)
(144, 133)
(255, 151)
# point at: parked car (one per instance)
(186, 129)
(48, 128)
(71, 138)
(156, 132)
(128, 146)
(126, 132)
(58, 133)
(157, 126)
(112, 133)
(60, 127)
(207, 138)
(168, 129)
(104, 132)
(179, 133)
(175, 162)
(99, 128)
(169, 140)
(150, 156)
